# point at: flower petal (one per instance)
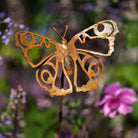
(6, 41)
(21, 26)
(10, 32)
(110, 89)
(113, 114)
(103, 100)
(7, 20)
(127, 99)
(3, 37)
(1, 58)
(125, 91)
(106, 109)
(125, 109)
(114, 104)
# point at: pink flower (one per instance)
(116, 100)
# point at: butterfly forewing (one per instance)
(36, 48)
(104, 31)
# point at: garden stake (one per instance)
(67, 55)
(60, 115)
(60, 105)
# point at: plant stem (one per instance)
(60, 115)
(15, 125)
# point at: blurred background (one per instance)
(80, 118)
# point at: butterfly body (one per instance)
(68, 64)
(67, 53)
(68, 59)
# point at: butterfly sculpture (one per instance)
(66, 57)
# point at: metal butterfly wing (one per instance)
(48, 68)
(27, 41)
(94, 75)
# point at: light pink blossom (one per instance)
(116, 100)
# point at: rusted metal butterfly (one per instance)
(66, 57)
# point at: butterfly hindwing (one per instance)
(49, 76)
(92, 68)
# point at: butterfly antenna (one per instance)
(57, 31)
(65, 31)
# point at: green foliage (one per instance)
(38, 19)
(74, 117)
(12, 54)
(104, 130)
(131, 32)
(5, 128)
(38, 53)
(72, 104)
(3, 84)
(77, 123)
(34, 54)
(134, 114)
(34, 6)
(40, 123)
(126, 73)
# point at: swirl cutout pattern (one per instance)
(94, 71)
(47, 74)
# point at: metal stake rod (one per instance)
(60, 105)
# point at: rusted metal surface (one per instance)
(68, 56)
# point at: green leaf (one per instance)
(40, 123)
(75, 130)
